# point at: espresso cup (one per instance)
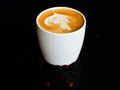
(62, 47)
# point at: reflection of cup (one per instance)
(62, 47)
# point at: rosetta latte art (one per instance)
(61, 20)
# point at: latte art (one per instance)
(60, 19)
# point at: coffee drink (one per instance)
(60, 32)
(60, 20)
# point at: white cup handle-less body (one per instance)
(61, 49)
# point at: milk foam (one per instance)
(60, 19)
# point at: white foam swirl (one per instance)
(60, 19)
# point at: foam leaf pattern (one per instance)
(59, 19)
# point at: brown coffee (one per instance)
(61, 20)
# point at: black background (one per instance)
(21, 47)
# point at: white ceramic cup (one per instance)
(61, 49)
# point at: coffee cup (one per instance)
(60, 32)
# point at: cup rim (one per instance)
(84, 23)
